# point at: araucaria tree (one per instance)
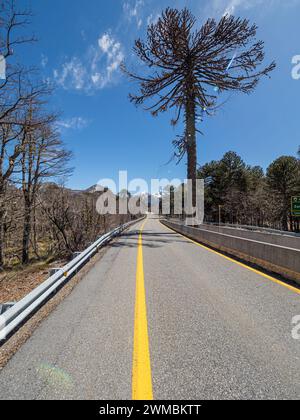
(190, 67)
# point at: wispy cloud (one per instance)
(217, 8)
(75, 123)
(98, 66)
(153, 18)
(133, 11)
(72, 74)
(222, 7)
(110, 51)
(95, 70)
(44, 60)
(232, 6)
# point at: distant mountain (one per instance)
(149, 200)
(92, 189)
(46, 186)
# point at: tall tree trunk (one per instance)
(34, 235)
(191, 146)
(285, 222)
(2, 216)
(26, 233)
(285, 215)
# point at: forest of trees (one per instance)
(38, 219)
(244, 194)
(62, 221)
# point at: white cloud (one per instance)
(219, 8)
(96, 77)
(113, 51)
(72, 74)
(44, 60)
(96, 70)
(153, 18)
(222, 7)
(232, 6)
(105, 43)
(75, 123)
(133, 11)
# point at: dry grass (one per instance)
(18, 282)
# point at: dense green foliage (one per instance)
(247, 195)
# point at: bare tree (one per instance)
(43, 157)
(189, 66)
(16, 91)
(8, 142)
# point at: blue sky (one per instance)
(81, 44)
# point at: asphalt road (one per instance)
(212, 329)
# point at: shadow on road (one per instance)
(150, 239)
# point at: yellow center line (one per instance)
(141, 369)
(260, 273)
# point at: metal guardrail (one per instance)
(255, 228)
(241, 227)
(14, 317)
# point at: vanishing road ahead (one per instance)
(160, 316)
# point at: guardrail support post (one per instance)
(5, 306)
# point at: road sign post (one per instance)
(296, 206)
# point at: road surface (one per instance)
(161, 317)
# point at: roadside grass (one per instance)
(16, 280)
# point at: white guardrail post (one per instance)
(13, 318)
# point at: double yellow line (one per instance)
(141, 370)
